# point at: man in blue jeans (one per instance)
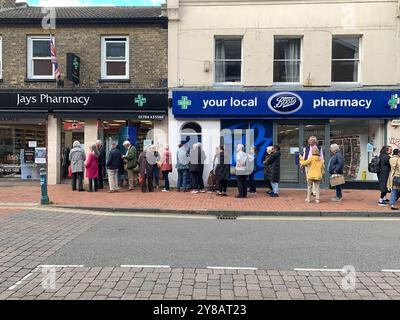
(182, 164)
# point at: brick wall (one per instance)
(147, 45)
(7, 4)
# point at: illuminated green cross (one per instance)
(75, 63)
(184, 103)
(394, 101)
(140, 100)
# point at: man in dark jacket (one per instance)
(273, 162)
(383, 174)
(146, 165)
(197, 157)
(113, 165)
(102, 163)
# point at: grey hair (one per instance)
(76, 144)
(313, 138)
(240, 147)
(269, 149)
(334, 148)
(126, 143)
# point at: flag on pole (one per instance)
(54, 61)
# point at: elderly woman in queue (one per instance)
(383, 174)
(77, 157)
(336, 165)
(92, 168)
(393, 182)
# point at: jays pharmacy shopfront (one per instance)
(38, 127)
(356, 120)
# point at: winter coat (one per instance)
(316, 167)
(182, 159)
(273, 162)
(114, 159)
(77, 157)
(197, 157)
(92, 166)
(222, 170)
(131, 158)
(267, 169)
(394, 172)
(383, 175)
(102, 157)
(336, 164)
(166, 161)
(144, 166)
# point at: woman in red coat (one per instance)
(166, 167)
(92, 168)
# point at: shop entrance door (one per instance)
(293, 137)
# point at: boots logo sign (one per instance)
(285, 102)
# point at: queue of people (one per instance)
(142, 169)
(388, 172)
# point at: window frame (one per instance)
(104, 41)
(228, 83)
(358, 81)
(30, 59)
(300, 60)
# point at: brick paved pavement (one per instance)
(290, 200)
(193, 284)
(29, 237)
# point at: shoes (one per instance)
(81, 190)
(316, 201)
(111, 191)
(308, 200)
(382, 203)
(240, 197)
(194, 191)
(252, 192)
(394, 208)
(165, 190)
(203, 191)
(130, 189)
(224, 194)
(274, 195)
(335, 199)
(219, 193)
(269, 191)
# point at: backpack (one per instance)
(375, 165)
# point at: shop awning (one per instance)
(111, 114)
(9, 114)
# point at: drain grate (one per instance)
(226, 217)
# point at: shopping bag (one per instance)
(337, 180)
(69, 172)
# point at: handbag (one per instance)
(69, 172)
(337, 180)
(396, 179)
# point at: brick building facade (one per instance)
(121, 94)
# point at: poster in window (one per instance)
(40, 155)
(29, 155)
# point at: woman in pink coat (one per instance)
(92, 168)
(166, 167)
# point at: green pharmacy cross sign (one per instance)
(394, 101)
(73, 68)
(140, 100)
(184, 103)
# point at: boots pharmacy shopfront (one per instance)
(38, 128)
(356, 120)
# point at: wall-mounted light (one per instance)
(207, 65)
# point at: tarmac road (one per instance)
(275, 243)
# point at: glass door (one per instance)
(288, 138)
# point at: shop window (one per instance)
(345, 59)
(115, 58)
(287, 60)
(228, 60)
(359, 141)
(39, 58)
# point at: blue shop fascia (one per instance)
(357, 119)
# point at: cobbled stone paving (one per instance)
(29, 237)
